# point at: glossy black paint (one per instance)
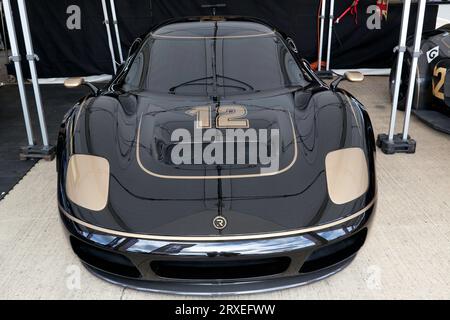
(141, 253)
(107, 125)
(291, 200)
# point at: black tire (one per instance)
(422, 85)
(403, 82)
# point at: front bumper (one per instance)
(219, 267)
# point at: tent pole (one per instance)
(116, 27)
(413, 73)
(5, 43)
(400, 58)
(392, 143)
(31, 57)
(108, 32)
(330, 33)
(15, 57)
(322, 27)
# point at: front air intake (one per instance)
(334, 253)
(235, 269)
(104, 260)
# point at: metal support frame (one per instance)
(45, 151)
(325, 74)
(392, 143)
(5, 43)
(322, 29)
(31, 57)
(413, 73)
(116, 28)
(108, 32)
(330, 33)
(400, 58)
(15, 57)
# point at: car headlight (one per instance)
(347, 174)
(87, 181)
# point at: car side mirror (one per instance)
(352, 76)
(79, 81)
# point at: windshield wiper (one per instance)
(193, 83)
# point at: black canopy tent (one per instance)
(69, 39)
(66, 48)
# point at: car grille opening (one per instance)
(334, 253)
(105, 260)
(235, 269)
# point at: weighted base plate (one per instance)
(325, 74)
(397, 145)
(37, 152)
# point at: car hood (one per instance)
(150, 194)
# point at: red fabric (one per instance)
(353, 9)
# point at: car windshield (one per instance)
(213, 66)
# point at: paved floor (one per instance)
(407, 253)
(56, 99)
(3, 62)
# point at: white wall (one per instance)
(443, 15)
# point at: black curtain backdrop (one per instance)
(74, 52)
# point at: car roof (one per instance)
(207, 29)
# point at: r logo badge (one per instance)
(219, 222)
(432, 54)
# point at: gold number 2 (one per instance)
(229, 116)
(439, 73)
(232, 117)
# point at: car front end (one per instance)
(233, 173)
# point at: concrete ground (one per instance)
(406, 256)
(3, 61)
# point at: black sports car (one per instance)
(216, 162)
(431, 99)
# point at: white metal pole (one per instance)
(31, 60)
(330, 33)
(400, 57)
(413, 73)
(16, 59)
(108, 32)
(322, 27)
(116, 27)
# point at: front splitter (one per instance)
(217, 288)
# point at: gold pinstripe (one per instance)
(220, 238)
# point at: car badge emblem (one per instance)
(219, 222)
(432, 54)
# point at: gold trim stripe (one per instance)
(236, 176)
(220, 238)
